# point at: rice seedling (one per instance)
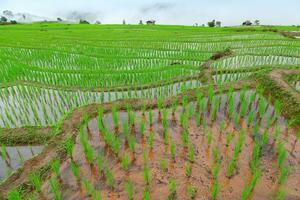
(163, 165)
(150, 116)
(215, 190)
(35, 181)
(150, 140)
(131, 143)
(146, 175)
(96, 195)
(188, 169)
(109, 178)
(125, 162)
(14, 195)
(146, 195)
(283, 174)
(172, 150)
(100, 162)
(230, 168)
(55, 167)
(191, 191)
(281, 157)
(281, 195)
(55, 188)
(75, 171)
(229, 138)
(185, 138)
(128, 187)
(68, 145)
(172, 189)
(250, 186)
(142, 127)
(88, 187)
(209, 138)
(191, 153)
(174, 107)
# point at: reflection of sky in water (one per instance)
(17, 155)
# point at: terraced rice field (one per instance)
(149, 112)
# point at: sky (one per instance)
(185, 12)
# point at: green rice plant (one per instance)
(185, 138)
(190, 111)
(250, 118)
(68, 145)
(114, 114)
(150, 115)
(277, 108)
(188, 169)
(89, 154)
(250, 186)
(96, 195)
(55, 167)
(150, 140)
(264, 138)
(75, 171)
(216, 155)
(166, 137)
(131, 118)
(4, 154)
(14, 195)
(125, 162)
(172, 150)
(281, 157)
(276, 132)
(184, 102)
(210, 93)
(191, 191)
(146, 195)
(35, 181)
(54, 186)
(281, 195)
(209, 138)
(131, 143)
(230, 168)
(172, 189)
(146, 175)
(143, 108)
(237, 118)
(215, 171)
(283, 174)
(159, 104)
(215, 190)
(88, 187)
(255, 157)
(229, 138)
(191, 153)
(230, 107)
(142, 128)
(109, 178)
(222, 126)
(255, 129)
(100, 162)
(163, 165)
(198, 119)
(128, 187)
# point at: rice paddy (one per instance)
(149, 112)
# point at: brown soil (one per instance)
(230, 188)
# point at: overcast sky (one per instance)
(230, 12)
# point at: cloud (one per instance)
(157, 7)
(76, 15)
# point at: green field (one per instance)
(55, 77)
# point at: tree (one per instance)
(141, 22)
(257, 22)
(13, 22)
(59, 19)
(212, 23)
(247, 23)
(218, 23)
(3, 19)
(83, 21)
(124, 22)
(97, 22)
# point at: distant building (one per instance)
(151, 22)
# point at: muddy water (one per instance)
(15, 158)
(201, 178)
(26, 105)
